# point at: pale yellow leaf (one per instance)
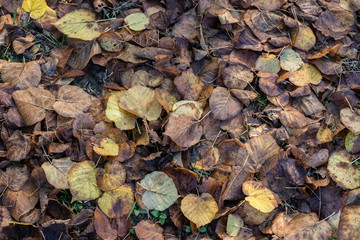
(137, 21)
(107, 147)
(259, 196)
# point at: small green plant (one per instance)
(159, 216)
(188, 229)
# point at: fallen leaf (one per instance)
(233, 225)
(80, 24)
(102, 226)
(321, 230)
(17, 146)
(268, 63)
(122, 119)
(303, 38)
(82, 181)
(111, 42)
(271, 5)
(189, 85)
(290, 60)
(141, 102)
(349, 227)
(57, 171)
(33, 103)
(350, 120)
(36, 8)
(237, 76)
(324, 134)
(118, 202)
(15, 177)
(343, 171)
(148, 230)
(259, 196)
(5, 219)
(200, 210)
(71, 101)
(136, 21)
(160, 193)
(305, 75)
(23, 75)
(223, 105)
(111, 177)
(352, 143)
(107, 147)
(21, 202)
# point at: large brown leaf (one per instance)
(33, 104)
(223, 105)
(23, 75)
(71, 101)
(189, 85)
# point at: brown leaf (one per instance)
(71, 101)
(148, 230)
(15, 177)
(237, 76)
(23, 75)
(187, 27)
(350, 120)
(5, 219)
(33, 104)
(17, 146)
(82, 52)
(349, 227)
(184, 130)
(111, 177)
(189, 85)
(22, 43)
(21, 202)
(223, 105)
(102, 225)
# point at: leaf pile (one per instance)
(179, 119)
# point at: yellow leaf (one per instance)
(112, 176)
(80, 24)
(82, 181)
(118, 202)
(137, 21)
(36, 8)
(200, 210)
(123, 119)
(234, 223)
(107, 147)
(305, 75)
(57, 172)
(160, 193)
(343, 171)
(141, 101)
(324, 134)
(259, 196)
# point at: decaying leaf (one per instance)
(57, 172)
(80, 24)
(33, 104)
(305, 75)
(303, 38)
(268, 63)
(290, 60)
(349, 227)
(23, 75)
(352, 143)
(223, 105)
(351, 120)
(141, 102)
(200, 210)
(259, 196)
(118, 202)
(343, 171)
(71, 101)
(189, 85)
(148, 230)
(82, 181)
(5, 219)
(137, 21)
(160, 193)
(111, 177)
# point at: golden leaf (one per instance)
(57, 171)
(107, 147)
(305, 75)
(36, 8)
(200, 210)
(259, 196)
(122, 119)
(118, 202)
(82, 181)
